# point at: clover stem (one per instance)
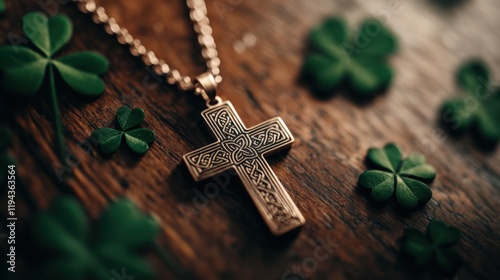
(61, 144)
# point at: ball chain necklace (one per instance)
(236, 147)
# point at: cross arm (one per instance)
(271, 136)
(208, 161)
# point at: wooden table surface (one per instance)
(225, 238)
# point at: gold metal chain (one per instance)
(204, 84)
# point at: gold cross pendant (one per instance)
(244, 149)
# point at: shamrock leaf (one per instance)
(5, 158)
(137, 139)
(25, 70)
(391, 173)
(74, 250)
(433, 248)
(480, 109)
(359, 60)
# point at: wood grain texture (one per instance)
(225, 238)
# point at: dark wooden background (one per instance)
(226, 239)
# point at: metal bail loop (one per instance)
(206, 86)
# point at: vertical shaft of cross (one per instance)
(269, 196)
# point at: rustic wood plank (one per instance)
(226, 238)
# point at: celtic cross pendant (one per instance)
(244, 149)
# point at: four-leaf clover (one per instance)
(480, 109)
(433, 248)
(25, 70)
(71, 249)
(359, 60)
(137, 139)
(391, 173)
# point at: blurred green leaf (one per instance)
(479, 111)
(73, 249)
(2, 6)
(433, 249)
(359, 60)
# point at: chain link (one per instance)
(201, 24)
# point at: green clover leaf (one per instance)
(359, 60)
(73, 250)
(5, 158)
(2, 6)
(433, 248)
(391, 173)
(25, 70)
(480, 109)
(137, 139)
